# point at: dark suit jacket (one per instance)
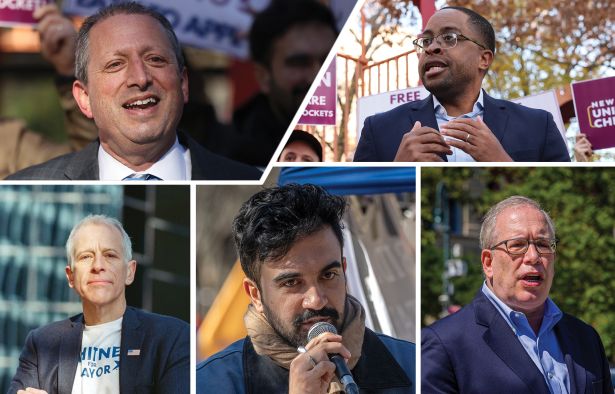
(50, 356)
(526, 134)
(475, 351)
(83, 165)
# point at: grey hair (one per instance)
(99, 219)
(123, 8)
(487, 229)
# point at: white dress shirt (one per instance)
(442, 117)
(175, 165)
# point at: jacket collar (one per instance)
(132, 339)
(501, 339)
(376, 370)
(570, 345)
(424, 112)
(83, 164)
(70, 351)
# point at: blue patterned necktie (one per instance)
(141, 177)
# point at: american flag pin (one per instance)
(134, 352)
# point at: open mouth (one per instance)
(532, 279)
(141, 103)
(433, 68)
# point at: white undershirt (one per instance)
(98, 370)
(175, 165)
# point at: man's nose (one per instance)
(138, 74)
(434, 47)
(314, 298)
(531, 255)
(98, 264)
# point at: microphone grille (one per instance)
(319, 328)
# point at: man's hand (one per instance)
(58, 38)
(582, 148)
(474, 138)
(30, 390)
(422, 144)
(312, 376)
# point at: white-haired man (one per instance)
(109, 348)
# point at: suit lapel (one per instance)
(424, 113)
(84, 163)
(70, 350)
(132, 340)
(495, 117)
(570, 347)
(500, 338)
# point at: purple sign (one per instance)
(321, 108)
(19, 12)
(594, 104)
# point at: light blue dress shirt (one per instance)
(543, 348)
(442, 117)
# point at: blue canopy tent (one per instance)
(353, 180)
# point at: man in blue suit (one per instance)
(109, 348)
(512, 338)
(459, 121)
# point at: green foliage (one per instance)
(581, 202)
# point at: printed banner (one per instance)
(212, 24)
(547, 101)
(372, 105)
(321, 107)
(19, 12)
(594, 104)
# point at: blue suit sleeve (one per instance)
(437, 375)
(27, 371)
(555, 147)
(366, 151)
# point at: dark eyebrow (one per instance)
(293, 275)
(335, 264)
(286, 276)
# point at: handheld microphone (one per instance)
(341, 369)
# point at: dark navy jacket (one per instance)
(526, 134)
(475, 351)
(50, 356)
(386, 366)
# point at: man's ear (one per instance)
(130, 272)
(486, 58)
(185, 89)
(80, 93)
(344, 264)
(486, 258)
(70, 276)
(263, 77)
(254, 293)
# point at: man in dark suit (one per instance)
(110, 347)
(512, 338)
(459, 121)
(132, 81)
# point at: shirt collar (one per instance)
(173, 165)
(478, 106)
(552, 313)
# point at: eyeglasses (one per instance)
(445, 40)
(518, 246)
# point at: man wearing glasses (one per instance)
(459, 121)
(512, 338)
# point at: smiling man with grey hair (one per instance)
(110, 347)
(132, 81)
(512, 338)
